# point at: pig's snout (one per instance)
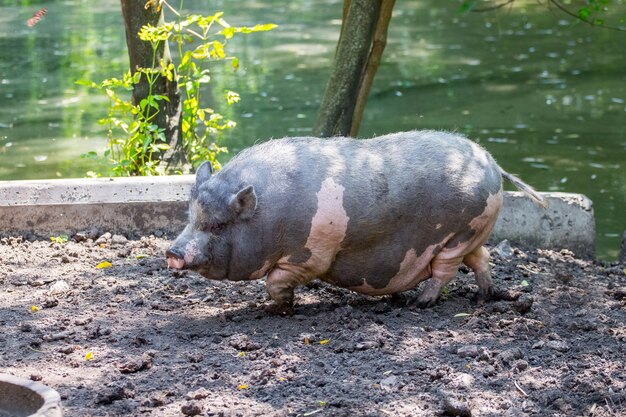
(175, 258)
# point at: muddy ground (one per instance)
(138, 339)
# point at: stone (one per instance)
(508, 356)
(60, 287)
(455, 407)
(191, 409)
(389, 383)
(118, 240)
(468, 351)
(503, 249)
(558, 345)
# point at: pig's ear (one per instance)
(244, 202)
(203, 173)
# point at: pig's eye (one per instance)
(215, 228)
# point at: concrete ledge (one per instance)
(144, 205)
(567, 223)
(94, 191)
(129, 206)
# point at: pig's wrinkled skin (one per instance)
(377, 216)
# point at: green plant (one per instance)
(135, 142)
(61, 239)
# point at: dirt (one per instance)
(137, 339)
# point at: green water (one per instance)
(545, 95)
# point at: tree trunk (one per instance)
(378, 46)
(140, 53)
(359, 50)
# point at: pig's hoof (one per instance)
(483, 295)
(424, 303)
(280, 309)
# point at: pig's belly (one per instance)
(377, 271)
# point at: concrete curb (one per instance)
(145, 205)
(567, 223)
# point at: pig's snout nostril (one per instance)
(174, 253)
(174, 258)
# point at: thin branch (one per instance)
(559, 6)
(589, 22)
(173, 10)
(488, 9)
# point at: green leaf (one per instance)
(265, 27)
(132, 128)
(524, 283)
(467, 6)
(87, 83)
(584, 13)
(232, 97)
(185, 59)
(162, 146)
(153, 103)
(218, 48)
(259, 28)
(90, 155)
(145, 143)
(228, 32)
(205, 77)
(59, 239)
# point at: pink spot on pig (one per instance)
(328, 229)
(191, 251)
(328, 226)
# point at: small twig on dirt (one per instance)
(33, 349)
(333, 371)
(520, 388)
(410, 370)
(385, 412)
(527, 269)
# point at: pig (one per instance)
(376, 216)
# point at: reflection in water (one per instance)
(544, 95)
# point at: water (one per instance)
(545, 95)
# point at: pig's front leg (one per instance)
(280, 284)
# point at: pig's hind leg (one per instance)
(478, 260)
(443, 271)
